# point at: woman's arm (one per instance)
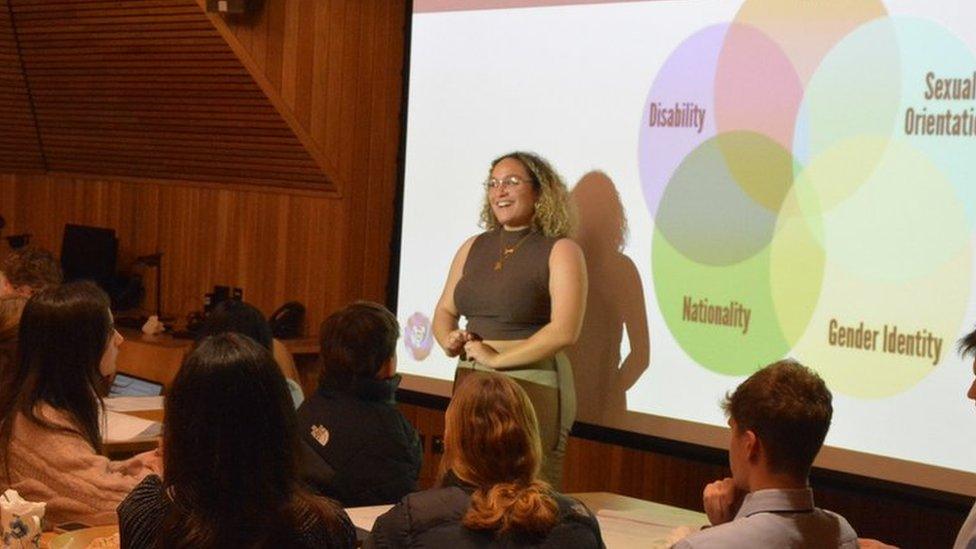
(567, 290)
(445, 323)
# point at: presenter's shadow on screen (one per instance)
(615, 305)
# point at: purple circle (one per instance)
(687, 78)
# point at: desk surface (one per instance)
(627, 522)
(121, 449)
(158, 357)
(300, 346)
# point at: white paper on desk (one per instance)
(623, 533)
(364, 517)
(134, 404)
(660, 515)
(123, 427)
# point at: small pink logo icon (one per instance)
(417, 336)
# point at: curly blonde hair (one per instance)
(554, 213)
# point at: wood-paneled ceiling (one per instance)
(139, 88)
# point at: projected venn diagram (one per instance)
(795, 213)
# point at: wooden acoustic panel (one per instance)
(149, 88)
(338, 66)
(340, 60)
(20, 149)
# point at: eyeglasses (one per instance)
(508, 182)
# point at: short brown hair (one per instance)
(355, 342)
(35, 268)
(967, 344)
(788, 407)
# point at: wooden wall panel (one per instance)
(150, 88)
(321, 249)
(337, 67)
(20, 148)
(277, 247)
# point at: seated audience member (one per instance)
(966, 539)
(11, 307)
(490, 494)
(49, 408)
(359, 449)
(244, 318)
(229, 451)
(28, 270)
(779, 418)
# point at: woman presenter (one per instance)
(521, 286)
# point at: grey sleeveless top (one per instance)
(511, 302)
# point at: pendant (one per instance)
(498, 265)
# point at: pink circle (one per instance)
(757, 87)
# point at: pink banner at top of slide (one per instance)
(421, 6)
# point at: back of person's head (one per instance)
(238, 317)
(230, 450)
(356, 342)
(29, 270)
(789, 409)
(491, 441)
(63, 334)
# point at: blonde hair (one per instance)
(492, 441)
(554, 213)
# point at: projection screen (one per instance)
(754, 180)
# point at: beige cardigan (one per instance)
(62, 469)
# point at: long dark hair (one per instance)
(230, 450)
(62, 337)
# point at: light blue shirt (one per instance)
(776, 518)
(295, 391)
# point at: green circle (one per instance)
(725, 349)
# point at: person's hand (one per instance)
(480, 353)
(455, 342)
(722, 500)
(152, 460)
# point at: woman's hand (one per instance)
(151, 460)
(455, 342)
(481, 353)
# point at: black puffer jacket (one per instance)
(432, 518)
(358, 448)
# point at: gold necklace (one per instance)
(504, 252)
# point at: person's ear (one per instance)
(388, 368)
(752, 445)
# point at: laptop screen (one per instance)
(128, 385)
